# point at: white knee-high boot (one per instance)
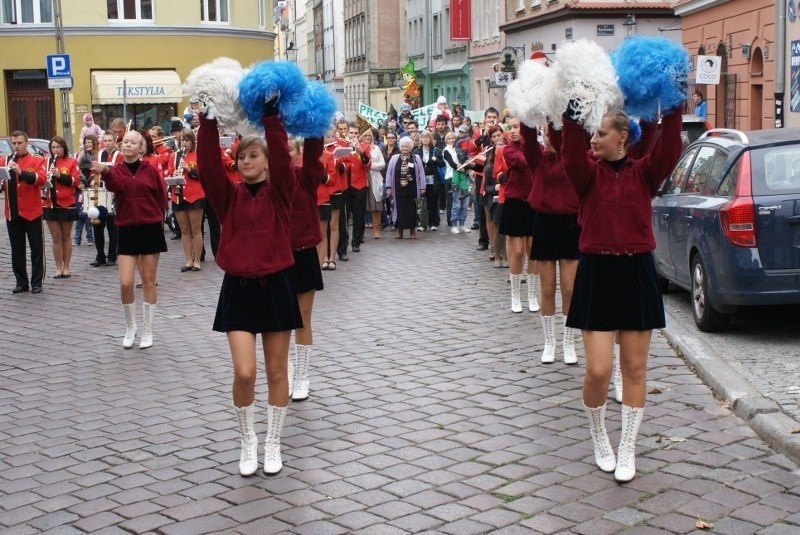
(301, 383)
(516, 302)
(147, 334)
(603, 454)
(533, 292)
(549, 352)
(130, 325)
(272, 445)
(248, 458)
(616, 375)
(568, 342)
(626, 460)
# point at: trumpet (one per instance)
(474, 158)
(51, 180)
(163, 140)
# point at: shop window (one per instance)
(214, 10)
(130, 9)
(142, 116)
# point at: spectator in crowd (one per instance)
(405, 179)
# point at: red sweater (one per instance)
(192, 190)
(358, 165)
(519, 177)
(64, 195)
(28, 197)
(304, 230)
(552, 192)
(140, 199)
(615, 211)
(255, 229)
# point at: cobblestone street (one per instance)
(429, 413)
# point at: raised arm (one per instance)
(282, 178)
(217, 187)
(577, 164)
(313, 168)
(666, 151)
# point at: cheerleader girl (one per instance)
(255, 253)
(305, 236)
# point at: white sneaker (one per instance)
(465, 229)
(454, 230)
(434, 228)
(421, 229)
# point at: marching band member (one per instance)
(141, 200)
(324, 191)
(255, 253)
(23, 211)
(107, 221)
(188, 201)
(60, 211)
(304, 236)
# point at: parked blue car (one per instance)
(727, 223)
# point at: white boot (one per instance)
(147, 334)
(603, 454)
(569, 345)
(533, 292)
(290, 375)
(626, 467)
(301, 373)
(516, 303)
(248, 459)
(549, 353)
(272, 444)
(616, 375)
(130, 325)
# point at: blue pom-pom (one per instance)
(265, 79)
(651, 70)
(312, 114)
(635, 131)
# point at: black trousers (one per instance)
(432, 193)
(448, 187)
(213, 228)
(18, 230)
(355, 205)
(100, 239)
(483, 238)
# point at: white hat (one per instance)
(441, 100)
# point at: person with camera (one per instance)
(23, 211)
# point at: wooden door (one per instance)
(31, 106)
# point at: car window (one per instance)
(776, 170)
(675, 180)
(5, 147)
(728, 184)
(706, 170)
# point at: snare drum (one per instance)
(102, 195)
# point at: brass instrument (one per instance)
(163, 140)
(474, 158)
(94, 197)
(45, 193)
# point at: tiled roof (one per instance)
(589, 4)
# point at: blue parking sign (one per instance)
(58, 66)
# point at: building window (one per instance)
(521, 5)
(437, 35)
(26, 11)
(130, 9)
(214, 10)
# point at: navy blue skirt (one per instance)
(616, 292)
(257, 304)
(137, 240)
(306, 274)
(517, 219)
(555, 237)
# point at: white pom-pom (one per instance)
(93, 212)
(584, 72)
(217, 85)
(526, 96)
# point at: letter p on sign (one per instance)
(58, 66)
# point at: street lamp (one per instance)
(630, 24)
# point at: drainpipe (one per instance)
(780, 62)
(428, 53)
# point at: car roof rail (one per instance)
(726, 132)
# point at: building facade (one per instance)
(372, 55)
(333, 49)
(742, 34)
(128, 57)
(485, 48)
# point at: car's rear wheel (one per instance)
(705, 316)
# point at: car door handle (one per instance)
(793, 219)
(665, 217)
(688, 218)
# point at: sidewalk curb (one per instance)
(762, 414)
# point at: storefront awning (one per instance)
(142, 87)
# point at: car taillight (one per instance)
(738, 216)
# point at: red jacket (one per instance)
(255, 229)
(519, 177)
(358, 165)
(140, 199)
(64, 195)
(304, 231)
(324, 189)
(615, 212)
(552, 192)
(192, 190)
(28, 197)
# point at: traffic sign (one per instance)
(58, 66)
(59, 83)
